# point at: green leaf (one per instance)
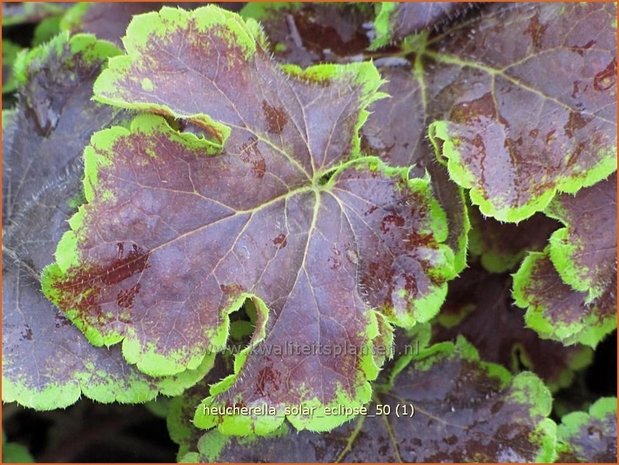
(465, 410)
(556, 311)
(534, 109)
(278, 204)
(589, 437)
(47, 363)
(15, 453)
(9, 54)
(479, 307)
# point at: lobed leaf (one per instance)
(569, 291)
(555, 310)
(585, 251)
(589, 436)
(479, 307)
(47, 363)
(276, 204)
(535, 112)
(465, 409)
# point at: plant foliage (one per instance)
(259, 214)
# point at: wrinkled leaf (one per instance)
(308, 33)
(396, 131)
(535, 103)
(589, 437)
(502, 246)
(465, 410)
(479, 307)
(177, 231)
(47, 362)
(585, 251)
(555, 310)
(396, 21)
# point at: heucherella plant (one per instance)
(258, 214)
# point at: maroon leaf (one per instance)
(309, 33)
(558, 312)
(47, 363)
(590, 436)
(396, 21)
(585, 251)
(396, 131)
(479, 307)
(534, 104)
(174, 237)
(463, 409)
(502, 246)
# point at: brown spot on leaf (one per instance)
(473, 110)
(536, 30)
(575, 122)
(27, 334)
(82, 291)
(276, 117)
(580, 49)
(607, 78)
(391, 220)
(125, 298)
(280, 241)
(251, 154)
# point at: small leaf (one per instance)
(465, 410)
(396, 21)
(47, 363)
(589, 437)
(107, 21)
(30, 12)
(502, 246)
(13, 452)
(308, 33)
(9, 54)
(535, 103)
(479, 307)
(556, 311)
(277, 205)
(585, 251)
